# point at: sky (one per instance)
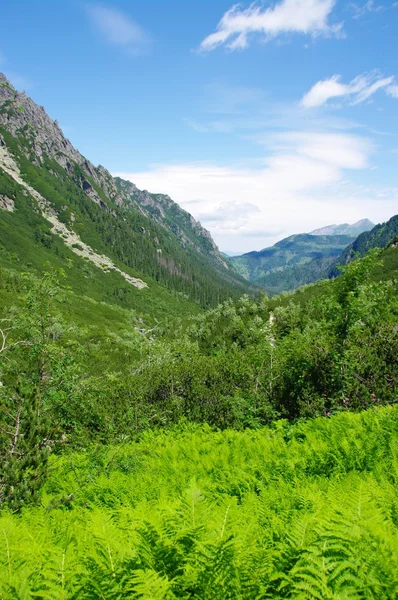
(262, 119)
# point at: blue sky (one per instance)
(261, 119)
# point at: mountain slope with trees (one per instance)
(294, 261)
(57, 201)
(378, 237)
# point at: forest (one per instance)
(249, 451)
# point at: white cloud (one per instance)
(247, 111)
(369, 6)
(118, 29)
(308, 17)
(300, 186)
(366, 92)
(362, 9)
(356, 91)
(340, 150)
(392, 90)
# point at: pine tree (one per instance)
(24, 448)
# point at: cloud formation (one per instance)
(118, 29)
(356, 91)
(301, 185)
(369, 6)
(308, 17)
(392, 90)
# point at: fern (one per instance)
(308, 512)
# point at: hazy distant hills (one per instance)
(292, 262)
(378, 237)
(345, 228)
(308, 257)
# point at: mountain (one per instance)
(378, 237)
(345, 228)
(292, 262)
(134, 247)
(230, 253)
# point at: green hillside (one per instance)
(62, 209)
(292, 262)
(378, 237)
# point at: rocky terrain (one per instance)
(70, 238)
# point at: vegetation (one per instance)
(187, 440)
(239, 365)
(378, 237)
(302, 259)
(292, 262)
(136, 243)
(302, 511)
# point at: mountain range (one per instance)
(305, 258)
(57, 207)
(345, 228)
(120, 244)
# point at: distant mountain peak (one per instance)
(345, 228)
(291, 262)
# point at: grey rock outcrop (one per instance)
(6, 203)
(168, 213)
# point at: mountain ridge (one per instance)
(146, 238)
(345, 228)
(291, 262)
(47, 138)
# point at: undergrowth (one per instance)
(290, 511)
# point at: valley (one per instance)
(299, 259)
(177, 423)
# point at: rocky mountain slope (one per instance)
(345, 228)
(292, 262)
(51, 192)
